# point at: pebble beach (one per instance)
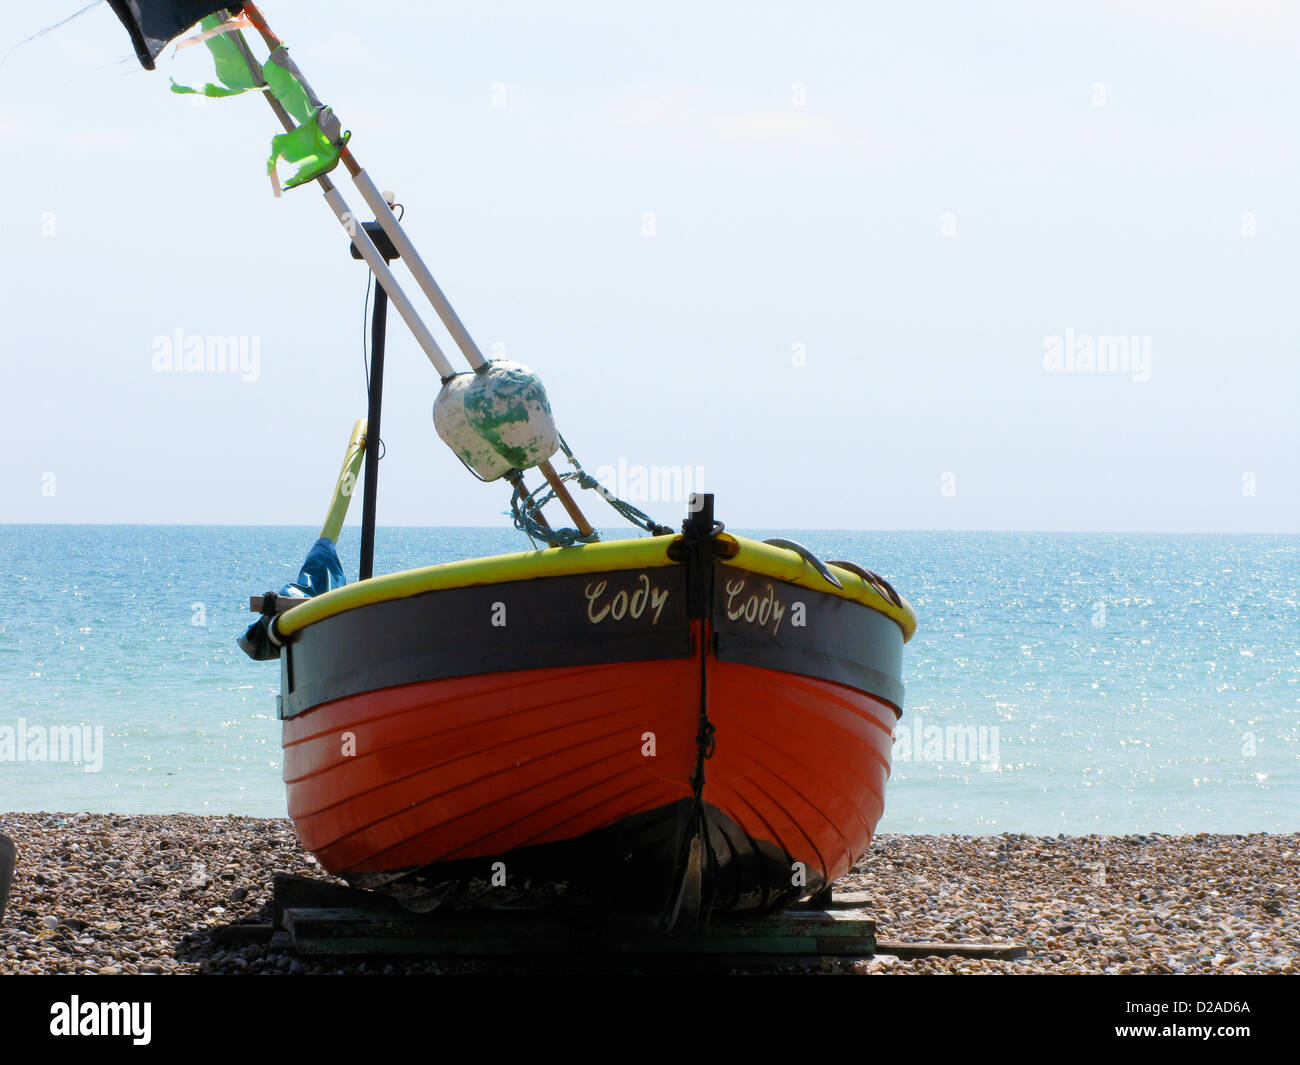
(102, 893)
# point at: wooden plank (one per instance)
(324, 918)
(814, 932)
(282, 603)
(1004, 951)
(996, 951)
(345, 922)
(289, 889)
(464, 933)
(840, 900)
(242, 933)
(8, 862)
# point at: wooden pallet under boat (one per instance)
(681, 725)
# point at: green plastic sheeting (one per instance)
(309, 148)
(285, 87)
(235, 78)
(232, 71)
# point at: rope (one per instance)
(49, 29)
(636, 517)
(705, 748)
(526, 508)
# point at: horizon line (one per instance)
(498, 528)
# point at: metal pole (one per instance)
(385, 277)
(384, 215)
(378, 322)
(406, 250)
(422, 274)
(359, 236)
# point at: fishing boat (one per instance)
(685, 723)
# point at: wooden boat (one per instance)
(690, 725)
(687, 724)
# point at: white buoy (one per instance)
(454, 429)
(506, 405)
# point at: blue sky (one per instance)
(868, 225)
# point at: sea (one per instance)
(1057, 683)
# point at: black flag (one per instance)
(152, 23)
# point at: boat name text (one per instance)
(623, 603)
(761, 608)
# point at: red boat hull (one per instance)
(390, 785)
(729, 762)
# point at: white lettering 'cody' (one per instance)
(624, 604)
(758, 608)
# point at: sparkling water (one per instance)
(1057, 683)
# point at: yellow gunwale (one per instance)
(786, 565)
(643, 553)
